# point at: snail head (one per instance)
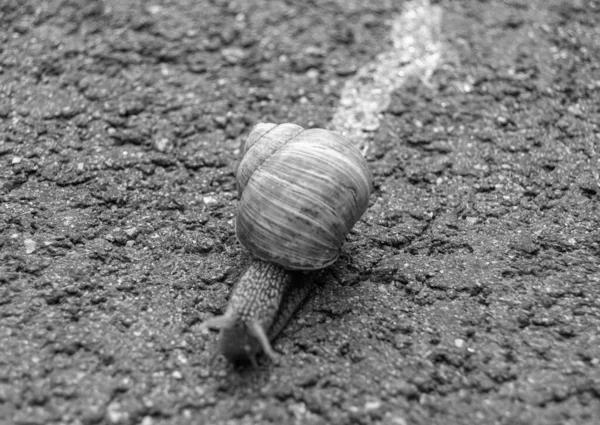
(240, 341)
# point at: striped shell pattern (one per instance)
(301, 191)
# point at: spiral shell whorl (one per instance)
(258, 131)
(301, 193)
(263, 141)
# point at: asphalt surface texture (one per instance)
(469, 292)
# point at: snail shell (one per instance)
(301, 193)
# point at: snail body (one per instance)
(301, 191)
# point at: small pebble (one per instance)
(29, 246)
(147, 420)
(373, 405)
(131, 231)
(162, 144)
(115, 415)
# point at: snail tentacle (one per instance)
(218, 322)
(261, 335)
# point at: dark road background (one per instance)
(469, 293)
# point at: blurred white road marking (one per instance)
(416, 50)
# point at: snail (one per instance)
(301, 191)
